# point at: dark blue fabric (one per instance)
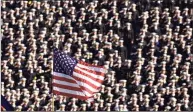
(5, 104)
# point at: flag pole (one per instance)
(52, 91)
(52, 102)
(52, 81)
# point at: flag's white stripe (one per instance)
(87, 94)
(86, 78)
(90, 74)
(78, 82)
(85, 85)
(65, 83)
(68, 91)
(70, 85)
(62, 75)
(90, 99)
(92, 68)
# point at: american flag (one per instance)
(73, 78)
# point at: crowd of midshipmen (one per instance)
(146, 45)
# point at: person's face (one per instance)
(150, 83)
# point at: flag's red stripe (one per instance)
(63, 79)
(66, 87)
(94, 72)
(72, 81)
(70, 95)
(81, 87)
(85, 81)
(85, 88)
(90, 65)
(73, 88)
(82, 73)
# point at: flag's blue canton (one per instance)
(63, 63)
